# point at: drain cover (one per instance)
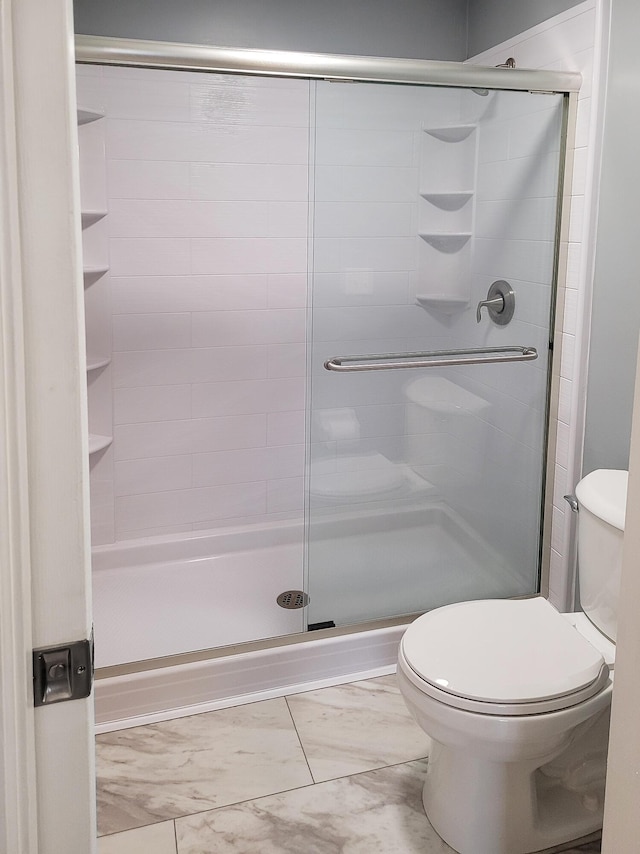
(292, 599)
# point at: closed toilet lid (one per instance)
(502, 652)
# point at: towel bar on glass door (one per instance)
(431, 359)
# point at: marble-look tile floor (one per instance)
(334, 771)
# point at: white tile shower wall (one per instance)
(366, 187)
(497, 452)
(570, 41)
(208, 225)
(359, 310)
(91, 139)
(207, 184)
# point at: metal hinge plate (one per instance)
(62, 672)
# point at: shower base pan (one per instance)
(216, 592)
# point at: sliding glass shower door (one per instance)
(425, 472)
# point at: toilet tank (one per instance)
(602, 500)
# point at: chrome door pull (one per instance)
(431, 359)
(500, 303)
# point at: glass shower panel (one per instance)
(425, 484)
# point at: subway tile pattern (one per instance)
(208, 190)
(225, 782)
(207, 181)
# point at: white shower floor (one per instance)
(155, 598)
(401, 564)
(159, 598)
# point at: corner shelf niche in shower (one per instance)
(90, 274)
(446, 242)
(94, 363)
(446, 188)
(89, 217)
(85, 117)
(442, 303)
(451, 133)
(98, 443)
(451, 201)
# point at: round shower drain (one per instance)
(292, 599)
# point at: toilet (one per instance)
(515, 697)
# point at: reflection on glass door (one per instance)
(425, 483)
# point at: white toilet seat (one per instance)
(502, 657)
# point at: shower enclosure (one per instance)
(319, 409)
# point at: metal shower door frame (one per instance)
(105, 50)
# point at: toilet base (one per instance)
(483, 807)
(508, 784)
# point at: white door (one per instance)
(621, 816)
(46, 754)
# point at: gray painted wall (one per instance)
(419, 29)
(495, 21)
(422, 29)
(616, 299)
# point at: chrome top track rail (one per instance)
(281, 63)
(431, 359)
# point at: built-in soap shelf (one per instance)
(451, 133)
(442, 303)
(98, 443)
(85, 117)
(89, 217)
(449, 201)
(446, 242)
(95, 246)
(92, 273)
(445, 216)
(94, 363)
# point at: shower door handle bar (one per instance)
(431, 359)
